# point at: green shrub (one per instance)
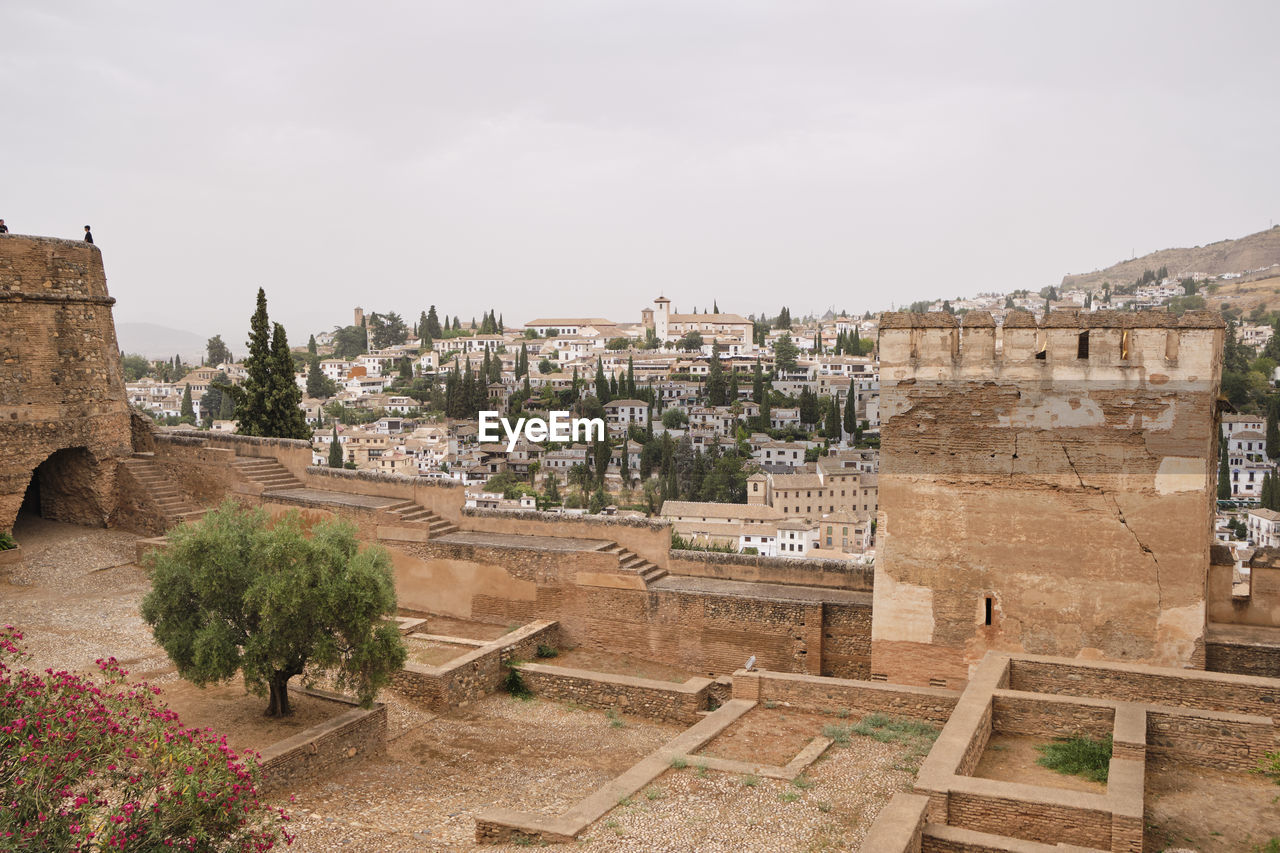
(1077, 756)
(6, 542)
(1270, 766)
(514, 683)
(545, 651)
(679, 762)
(750, 781)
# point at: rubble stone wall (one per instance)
(62, 400)
(1049, 491)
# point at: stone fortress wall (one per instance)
(1047, 491)
(63, 413)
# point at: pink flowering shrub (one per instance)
(87, 765)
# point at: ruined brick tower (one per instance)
(64, 418)
(1048, 491)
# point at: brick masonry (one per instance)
(660, 700)
(477, 673)
(62, 400)
(354, 734)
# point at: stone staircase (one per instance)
(633, 564)
(266, 472)
(417, 515)
(174, 506)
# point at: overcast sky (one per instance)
(579, 158)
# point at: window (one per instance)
(988, 603)
(1082, 351)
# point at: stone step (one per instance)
(652, 574)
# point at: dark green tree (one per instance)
(808, 405)
(335, 449)
(602, 383)
(785, 353)
(349, 342)
(757, 383)
(716, 389)
(319, 386)
(312, 349)
(833, 424)
(236, 592)
(1224, 473)
(850, 413)
(433, 323)
(216, 352)
(188, 409)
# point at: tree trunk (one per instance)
(278, 705)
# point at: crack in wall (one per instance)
(1115, 506)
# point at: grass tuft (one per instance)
(679, 762)
(750, 781)
(545, 651)
(788, 796)
(654, 793)
(1077, 756)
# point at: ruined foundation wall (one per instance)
(1067, 477)
(61, 383)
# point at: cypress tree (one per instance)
(733, 388)
(287, 420)
(715, 378)
(257, 384)
(433, 323)
(1224, 473)
(613, 386)
(757, 383)
(188, 407)
(850, 413)
(602, 384)
(315, 379)
(832, 427)
(631, 378)
(335, 449)
(311, 346)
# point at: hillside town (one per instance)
(756, 434)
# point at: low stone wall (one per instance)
(1214, 740)
(352, 735)
(475, 674)
(644, 697)
(1027, 714)
(292, 453)
(831, 695)
(1243, 658)
(1036, 817)
(831, 574)
(649, 538)
(443, 497)
(1238, 694)
(937, 838)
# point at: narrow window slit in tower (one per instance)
(1082, 345)
(1124, 344)
(987, 603)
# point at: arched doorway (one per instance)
(68, 487)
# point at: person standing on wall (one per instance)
(88, 235)
(4, 229)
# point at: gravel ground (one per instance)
(709, 811)
(77, 599)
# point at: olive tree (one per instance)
(239, 592)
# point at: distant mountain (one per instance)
(1255, 252)
(153, 341)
